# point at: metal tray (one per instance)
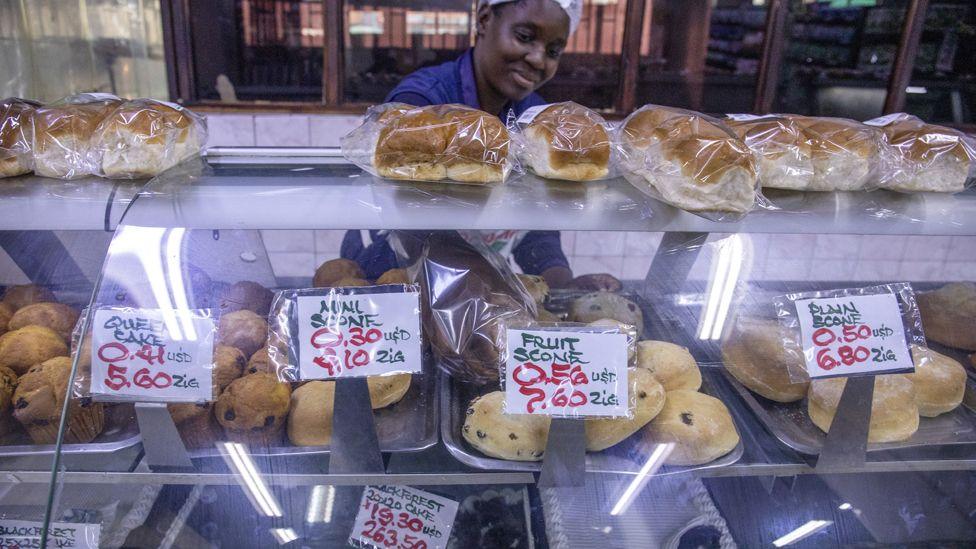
(625, 457)
(116, 449)
(410, 425)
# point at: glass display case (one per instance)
(727, 457)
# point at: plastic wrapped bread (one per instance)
(16, 128)
(62, 138)
(846, 154)
(433, 143)
(143, 137)
(565, 141)
(782, 148)
(689, 160)
(925, 157)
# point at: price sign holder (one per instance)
(355, 445)
(161, 441)
(564, 463)
(847, 440)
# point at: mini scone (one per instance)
(30, 345)
(600, 305)
(8, 384)
(334, 270)
(387, 390)
(537, 287)
(350, 282)
(672, 365)
(699, 426)
(246, 294)
(253, 409)
(949, 315)
(760, 353)
(56, 316)
(5, 314)
(393, 276)
(648, 397)
(568, 141)
(39, 399)
(196, 424)
(229, 363)
(260, 362)
(940, 382)
(243, 329)
(17, 297)
(894, 412)
(519, 437)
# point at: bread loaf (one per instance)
(142, 137)
(568, 141)
(16, 130)
(925, 157)
(63, 135)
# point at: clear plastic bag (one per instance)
(62, 137)
(781, 148)
(689, 160)
(925, 157)
(16, 129)
(433, 143)
(143, 137)
(564, 141)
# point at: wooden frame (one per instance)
(904, 64)
(771, 57)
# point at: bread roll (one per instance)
(142, 137)
(894, 413)
(925, 157)
(441, 142)
(760, 354)
(568, 141)
(672, 365)
(940, 382)
(606, 305)
(845, 153)
(16, 130)
(63, 136)
(648, 397)
(699, 426)
(693, 162)
(783, 149)
(949, 315)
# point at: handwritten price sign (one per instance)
(152, 354)
(24, 533)
(844, 336)
(402, 517)
(359, 335)
(564, 373)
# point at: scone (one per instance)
(30, 345)
(543, 315)
(17, 297)
(244, 330)
(387, 390)
(6, 313)
(248, 295)
(600, 305)
(648, 397)
(196, 424)
(514, 437)
(350, 282)
(56, 316)
(39, 399)
(760, 354)
(894, 412)
(940, 382)
(699, 426)
(672, 365)
(537, 287)
(567, 141)
(260, 362)
(253, 409)
(8, 384)
(622, 328)
(334, 270)
(393, 276)
(949, 315)
(229, 363)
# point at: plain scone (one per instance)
(949, 315)
(894, 413)
(568, 141)
(940, 382)
(760, 354)
(698, 425)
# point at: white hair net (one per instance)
(573, 8)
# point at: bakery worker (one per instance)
(516, 51)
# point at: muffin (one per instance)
(229, 365)
(39, 399)
(393, 276)
(244, 330)
(600, 305)
(537, 287)
(17, 297)
(6, 312)
(894, 412)
(247, 295)
(253, 409)
(940, 382)
(56, 316)
(699, 425)
(672, 365)
(196, 424)
(334, 270)
(30, 345)
(8, 384)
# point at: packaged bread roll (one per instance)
(689, 160)
(782, 148)
(16, 129)
(845, 153)
(433, 143)
(925, 157)
(63, 131)
(565, 141)
(143, 137)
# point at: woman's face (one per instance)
(519, 45)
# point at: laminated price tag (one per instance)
(566, 373)
(402, 517)
(359, 335)
(25, 533)
(530, 113)
(152, 354)
(853, 335)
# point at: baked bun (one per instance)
(568, 141)
(760, 354)
(244, 330)
(63, 136)
(699, 426)
(16, 130)
(894, 413)
(228, 365)
(782, 148)
(648, 397)
(926, 157)
(253, 409)
(142, 138)
(441, 142)
(335, 270)
(672, 365)
(56, 316)
(21, 349)
(606, 305)
(17, 297)
(246, 294)
(949, 315)
(845, 153)
(692, 161)
(940, 382)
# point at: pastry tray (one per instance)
(409, 425)
(116, 449)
